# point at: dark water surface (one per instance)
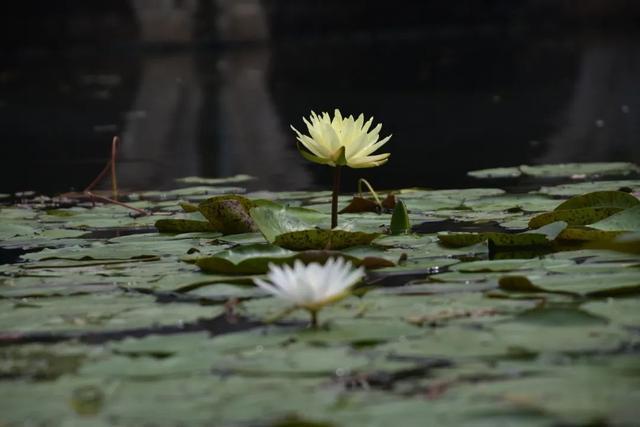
(453, 102)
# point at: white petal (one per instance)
(367, 125)
(331, 138)
(373, 147)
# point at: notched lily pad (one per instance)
(580, 169)
(627, 220)
(579, 285)
(324, 239)
(580, 216)
(273, 222)
(600, 199)
(255, 259)
(507, 172)
(574, 170)
(282, 227)
(587, 234)
(543, 236)
(251, 259)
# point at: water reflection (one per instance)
(601, 119)
(454, 100)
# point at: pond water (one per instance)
(453, 101)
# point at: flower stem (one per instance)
(114, 182)
(334, 197)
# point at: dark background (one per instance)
(209, 87)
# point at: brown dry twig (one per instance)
(110, 166)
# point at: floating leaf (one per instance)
(627, 243)
(365, 256)
(509, 172)
(189, 207)
(543, 236)
(252, 259)
(273, 222)
(229, 214)
(509, 265)
(587, 234)
(255, 259)
(214, 181)
(579, 169)
(600, 199)
(591, 285)
(567, 190)
(324, 239)
(184, 226)
(281, 227)
(627, 220)
(580, 216)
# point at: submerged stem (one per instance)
(114, 182)
(334, 197)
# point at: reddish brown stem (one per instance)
(110, 166)
(114, 182)
(98, 178)
(334, 197)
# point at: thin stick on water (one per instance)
(110, 166)
(115, 202)
(114, 181)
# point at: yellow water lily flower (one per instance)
(342, 141)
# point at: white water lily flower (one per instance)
(311, 286)
(342, 141)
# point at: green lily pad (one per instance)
(586, 234)
(281, 227)
(580, 216)
(627, 220)
(509, 265)
(324, 239)
(97, 312)
(102, 323)
(574, 189)
(588, 285)
(184, 226)
(626, 243)
(543, 236)
(214, 181)
(252, 259)
(558, 170)
(228, 214)
(580, 169)
(587, 208)
(508, 172)
(273, 222)
(600, 199)
(196, 192)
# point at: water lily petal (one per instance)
(341, 141)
